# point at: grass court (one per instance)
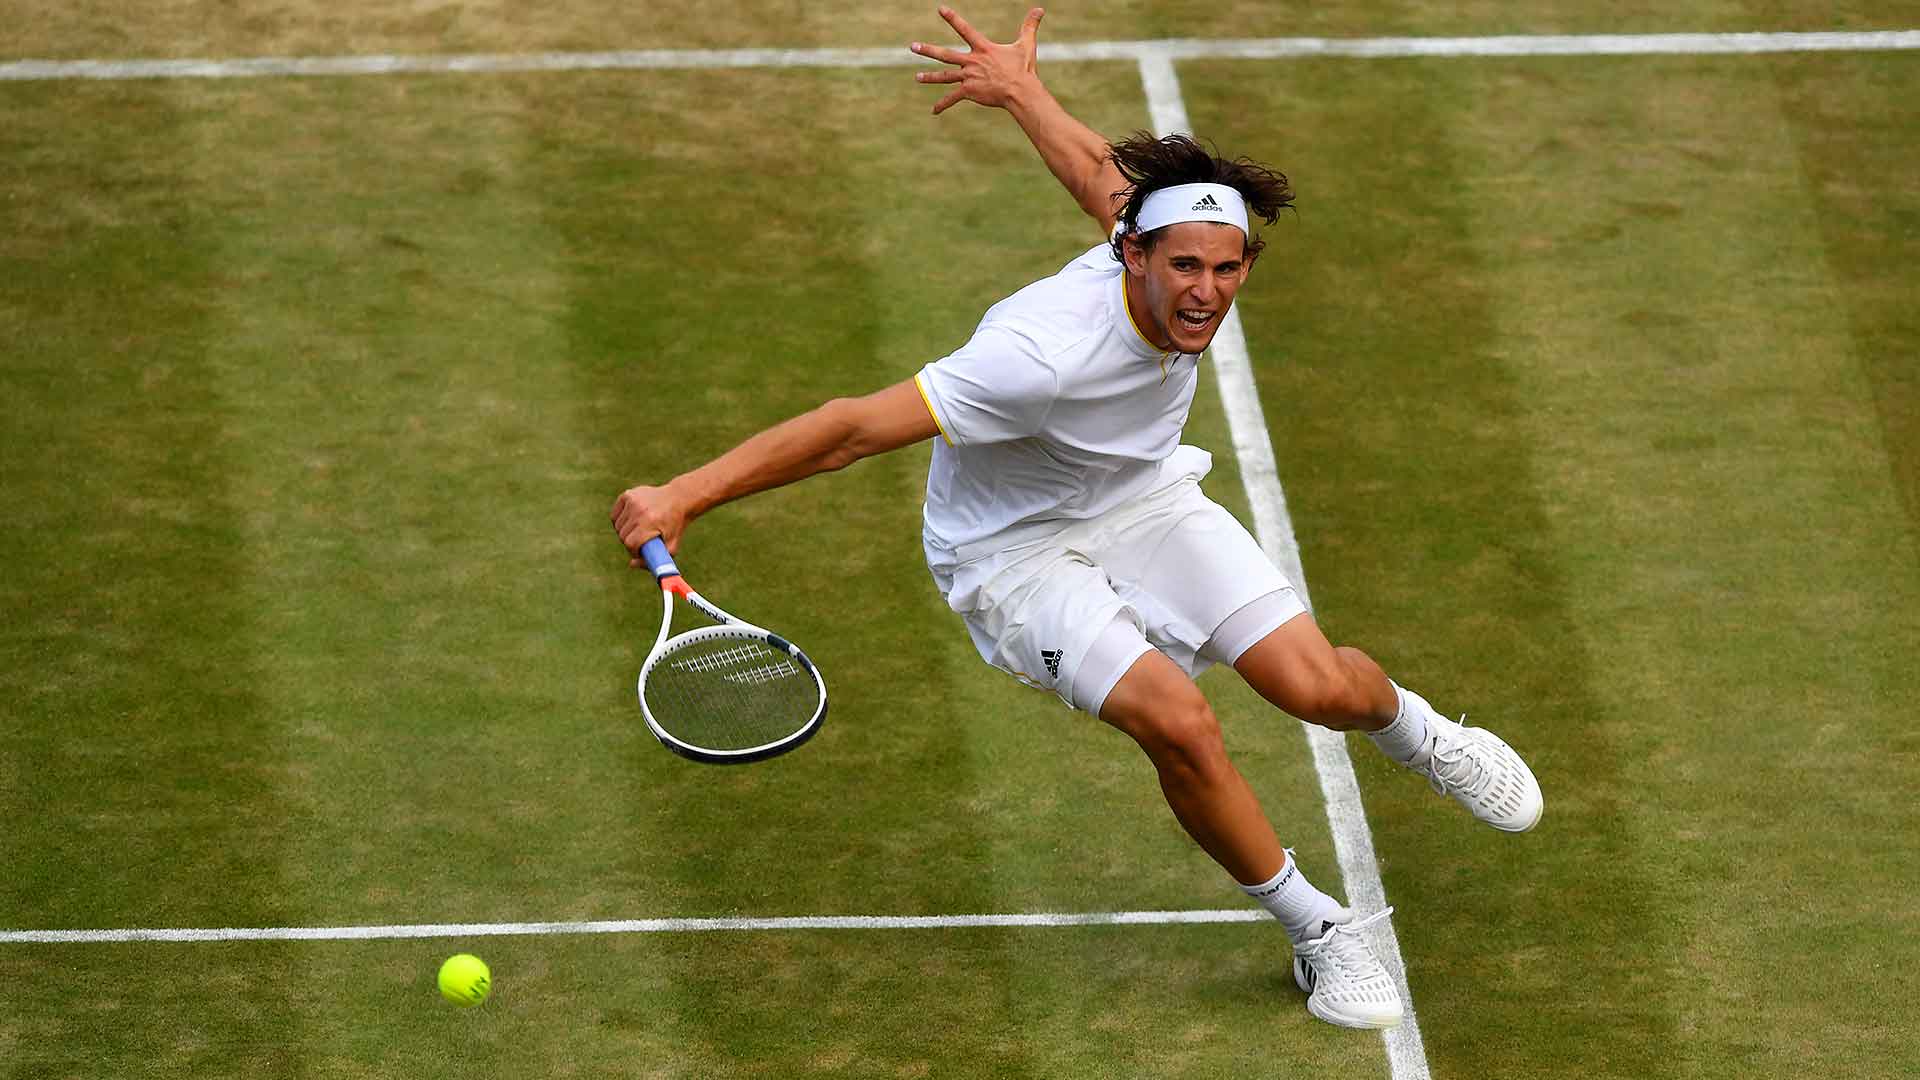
(1593, 386)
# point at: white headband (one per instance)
(1192, 202)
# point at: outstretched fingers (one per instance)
(986, 72)
(953, 98)
(1030, 29)
(939, 52)
(968, 34)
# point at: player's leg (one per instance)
(1296, 668)
(1158, 706)
(1200, 577)
(1053, 620)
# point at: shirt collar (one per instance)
(1136, 339)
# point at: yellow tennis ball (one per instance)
(465, 980)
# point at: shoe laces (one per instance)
(1457, 767)
(1343, 948)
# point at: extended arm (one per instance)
(1003, 76)
(830, 437)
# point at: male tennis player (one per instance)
(1065, 523)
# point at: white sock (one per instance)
(1404, 738)
(1305, 911)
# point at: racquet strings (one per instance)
(730, 694)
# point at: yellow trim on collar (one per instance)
(1128, 308)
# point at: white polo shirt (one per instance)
(1057, 410)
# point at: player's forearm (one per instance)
(818, 441)
(1078, 156)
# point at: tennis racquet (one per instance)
(729, 693)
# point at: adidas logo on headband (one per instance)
(1192, 202)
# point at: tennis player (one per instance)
(1065, 522)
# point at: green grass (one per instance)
(1583, 435)
(1594, 410)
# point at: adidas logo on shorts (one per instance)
(1051, 657)
(1206, 203)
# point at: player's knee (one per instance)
(1184, 737)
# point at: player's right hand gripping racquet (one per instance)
(724, 694)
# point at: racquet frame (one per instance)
(673, 583)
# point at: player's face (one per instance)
(1187, 282)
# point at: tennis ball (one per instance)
(465, 980)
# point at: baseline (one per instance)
(1171, 49)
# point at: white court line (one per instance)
(1176, 49)
(1260, 475)
(635, 926)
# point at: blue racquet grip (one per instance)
(658, 559)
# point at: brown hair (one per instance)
(1150, 164)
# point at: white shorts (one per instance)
(1071, 612)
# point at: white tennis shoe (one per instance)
(1344, 981)
(1481, 772)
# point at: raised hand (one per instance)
(987, 73)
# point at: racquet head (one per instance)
(731, 694)
(726, 694)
